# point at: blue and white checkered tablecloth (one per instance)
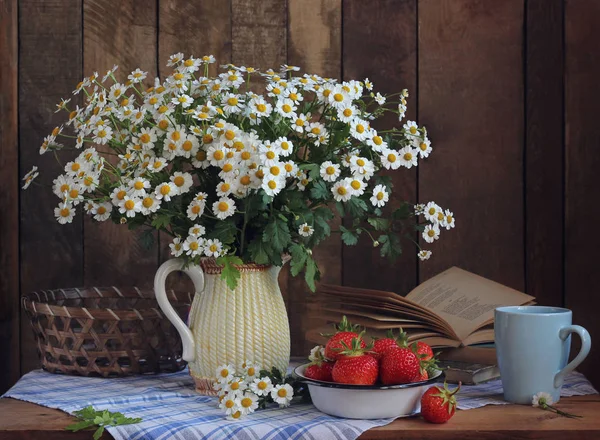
(171, 409)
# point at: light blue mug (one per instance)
(532, 346)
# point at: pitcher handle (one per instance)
(586, 344)
(197, 276)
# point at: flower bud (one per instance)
(375, 243)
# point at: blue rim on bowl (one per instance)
(298, 374)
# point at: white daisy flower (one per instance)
(64, 213)
(286, 108)
(62, 184)
(147, 137)
(542, 398)
(201, 197)
(401, 111)
(431, 233)
(225, 188)
(248, 403)
(449, 221)
(229, 405)
(232, 103)
(175, 59)
(191, 64)
(102, 211)
(300, 122)
(150, 204)
(116, 91)
(193, 245)
(408, 157)
(317, 353)
(283, 146)
(102, 135)
(272, 184)
(411, 128)
(235, 386)
(269, 157)
(197, 230)
(359, 129)
(339, 97)
(236, 414)
(195, 209)
(138, 186)
(315, 129)
(157, 164)
(390, 159)
(130, 206)
(165, 191)
(380, 99)
(342, 191)
(306, 230)
(251, 371)
(348, 113)
(176, 247)
(260, 107)
(424, 147)
(261, 386)
(380, 196)
(223, 208)
(137, 76)
(213, 248)
(182, 181)
(274, 90)
(74, 195)
(290, 168)
(30, 176)
(368, 84)
(208, 59)
(357, 186)
(303, 181)
(424, 255)
(419, 209)
(329, 171)
(431, 212)
(189, 146)
(224, 373)
(360, 165)
(216, 156)
(282, 394)
(376, 142)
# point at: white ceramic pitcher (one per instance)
(225, 326)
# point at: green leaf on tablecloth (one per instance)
(88, 417)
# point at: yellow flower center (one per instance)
(342, 191)
(377, 140)
(245, 155)
(238, 145)
(163, 109)
(188, 63)
(272, 184)
(380, 195)
(229, 403)
(360, 128)
(224, 372)
(360, 162)
(355, 184)
(326, 93)
(163, 124)
(423, 146)
(261, 107)
(72, 114)
(223, 206)
(179, 180)
(276, 90)
(246, 402)
(138, 185)
(73, 193)
(300, 122)
(232, 101)
(65, 212)
(330, 170)
(147, 202)
(315, 130)
(235, 386)
(213, 248)
(129, 205)
(288, 167)
(408, 156)
(187, 145)
(229, 135)
(392, 157)
(165, 189)
(262, 385)
(431, 233)
(145, 138)
(346, 89)
(225, 187)
(175, 136)
(153, 100)
(245, 180)
(260, 174)
(218, 155)
(55, 131)
(286, 108)
(304, 182)
(338, 97)
(236, 415)
(251, 371)
(227, 167)
(270, 155)
(285, 146)
(207, 138)
(121, 194)
(196, 209)
(282, 392)
(347, 112)
(275, 170)
(102, 133)
(101, 210)
(413, 130)
(449, 218)
(64, 187)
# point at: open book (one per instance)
(452, 309)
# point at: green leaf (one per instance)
(319, 190)
(379, 224)
(78, 426)
(356, 207)
(258, 251)
(230, 273)
(403, 212)
(340, 209)
(225, 231)
(277, 233)
(311, 274)
(147, 239)
(89, 417)
(98, 433)
(348, 237)
(312, 169)
(161, 221)
(299, 256)
(390, 246)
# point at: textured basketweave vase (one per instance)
(225, 326)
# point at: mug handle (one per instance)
(586, 344)
(197, 276)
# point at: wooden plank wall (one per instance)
(507, 89)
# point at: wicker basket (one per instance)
(105, 331)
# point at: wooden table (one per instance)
(22, 420)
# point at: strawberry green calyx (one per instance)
(356, 349)
(401, 339)
(346, 326)
(449, 397)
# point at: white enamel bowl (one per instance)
(366, 402)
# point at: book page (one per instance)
(465, 300)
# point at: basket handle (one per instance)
(197, 276)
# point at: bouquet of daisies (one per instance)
(236, 175)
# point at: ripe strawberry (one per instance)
(346, 332)
(424, 351)
(320, 371)
(380, 346)
(399, 365)
(355, 367)
(423, 376)
(438, 404)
